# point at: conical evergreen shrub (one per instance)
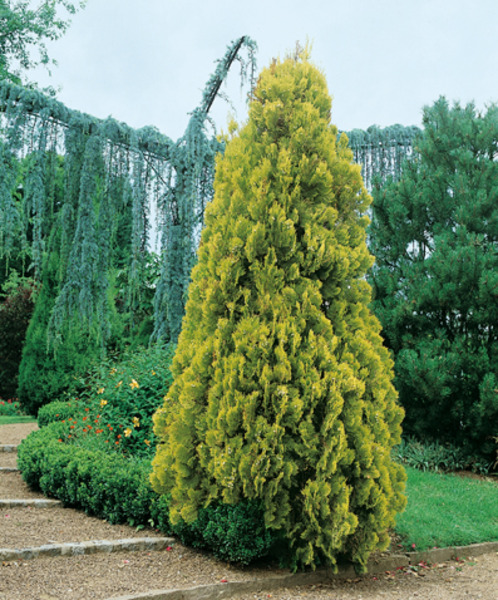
(282, 389)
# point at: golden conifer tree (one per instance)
(282, 389)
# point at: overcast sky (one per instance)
(145, 62)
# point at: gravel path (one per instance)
(471, 579)
(100, 577)
(13, 434)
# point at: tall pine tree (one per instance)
(282, 389)
(435, 237)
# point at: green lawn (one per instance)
(8, 420)
(448, 510)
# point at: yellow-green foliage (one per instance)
(282, 389)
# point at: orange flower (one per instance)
(60, 439)
(87, 409)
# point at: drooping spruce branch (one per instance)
(116, 179)
(381, 152)
(191, 177)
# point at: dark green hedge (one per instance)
(55, 411)
(116, 488)
(103, 484)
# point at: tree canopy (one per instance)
(25, 27)
(435, 237)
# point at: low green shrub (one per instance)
(56, 411)
(434, 456)
(117, 488)
(107, 485)
(232, 533)
(93, 452)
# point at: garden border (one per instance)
(219, 591)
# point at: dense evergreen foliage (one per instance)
(435, 236)
(77, 196)
(282, 390)
(382, 152)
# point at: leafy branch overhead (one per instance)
(24, 30)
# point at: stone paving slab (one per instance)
(8, 448)
(34, 502)
(90, 547)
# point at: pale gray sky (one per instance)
(145, 62)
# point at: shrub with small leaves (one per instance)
(57, 411)
(232, 533)
(114, 410)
